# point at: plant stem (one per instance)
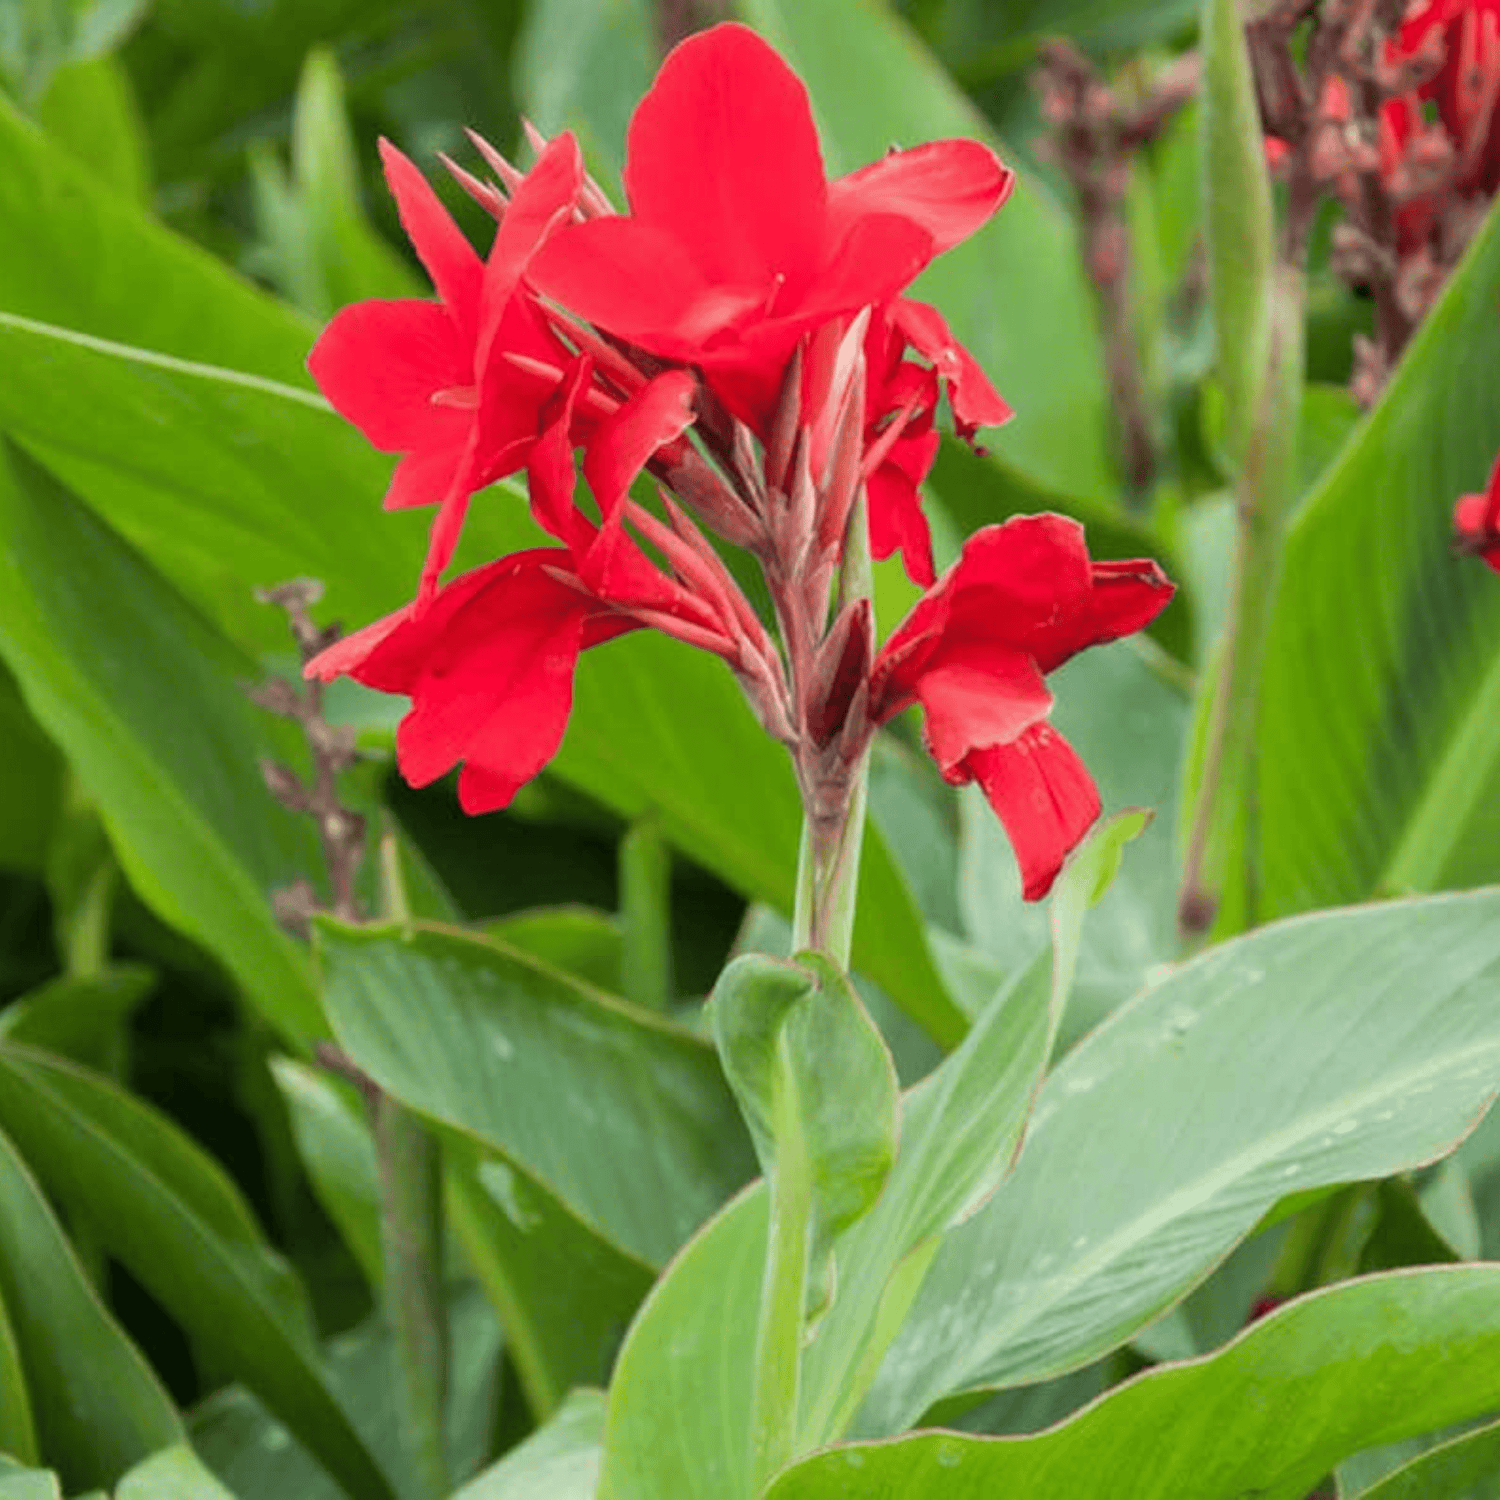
(411, 1235)
(1219, 839)
(783, 1301)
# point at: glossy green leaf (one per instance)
(1015, 287)
(560, 1461)
(1379, 749)
(1342, 1046)
(167, 1212)
(174, 1474)
(577, 939)
(583, 67)
(78, 1018)
(96, 1405)
(679, 1402)
(147, 700)
(333, 1139)
(564, 1295)
(623, 1115)
(255, 1456)
(1357, 1364)
(1465, 1468)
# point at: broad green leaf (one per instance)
(584, 67)
(560, 1461)
(679, 1402)
(167, 1212)
(174, 1474)
(1342, 1046)
(96, 1405)
(334, 1142)
(564, 1296)
(78, 1018)
(147, 701)
(961, 1130)
(623, 1115)
(1239, 221)
(254, 1455)
(577, 939)
(1466, 1468)
(90, 110)
(1014, 288)
(1379, 753)
(1361, 1363)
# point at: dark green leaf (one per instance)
(78, 1018)
(168, 1213)
(561, 1461)
(96, 1404)
(1465, 1468)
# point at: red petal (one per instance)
(896, 519)
(660, 411)
(544, 199)
(380, 363)
(871, 263)
(425, 478)
(637, 281)
(723, 155)
(551, 477)
(1043, 794)
(456, 271)
(974, 701)
(950, 188)
(976, 403)
(1124, 597)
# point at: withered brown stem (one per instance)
(1094, 136)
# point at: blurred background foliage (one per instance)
(135, 134)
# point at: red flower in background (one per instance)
(1466, 88)
(1476, 522)
(1022, 599)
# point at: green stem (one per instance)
(645, 906)
(783, 1300)
(411, 1235)
(1219, 864)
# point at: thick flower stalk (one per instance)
(742, 336)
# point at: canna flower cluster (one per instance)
(742, 336)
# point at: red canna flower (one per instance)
(1466, 87)
(1476, 522)
(423, 378)
(1022, 599)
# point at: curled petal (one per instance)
(896, 519)
(424, 478)
(976, 403)
(950, 188)
(1043, 794)
(978, 700)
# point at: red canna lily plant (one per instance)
(740, 334)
